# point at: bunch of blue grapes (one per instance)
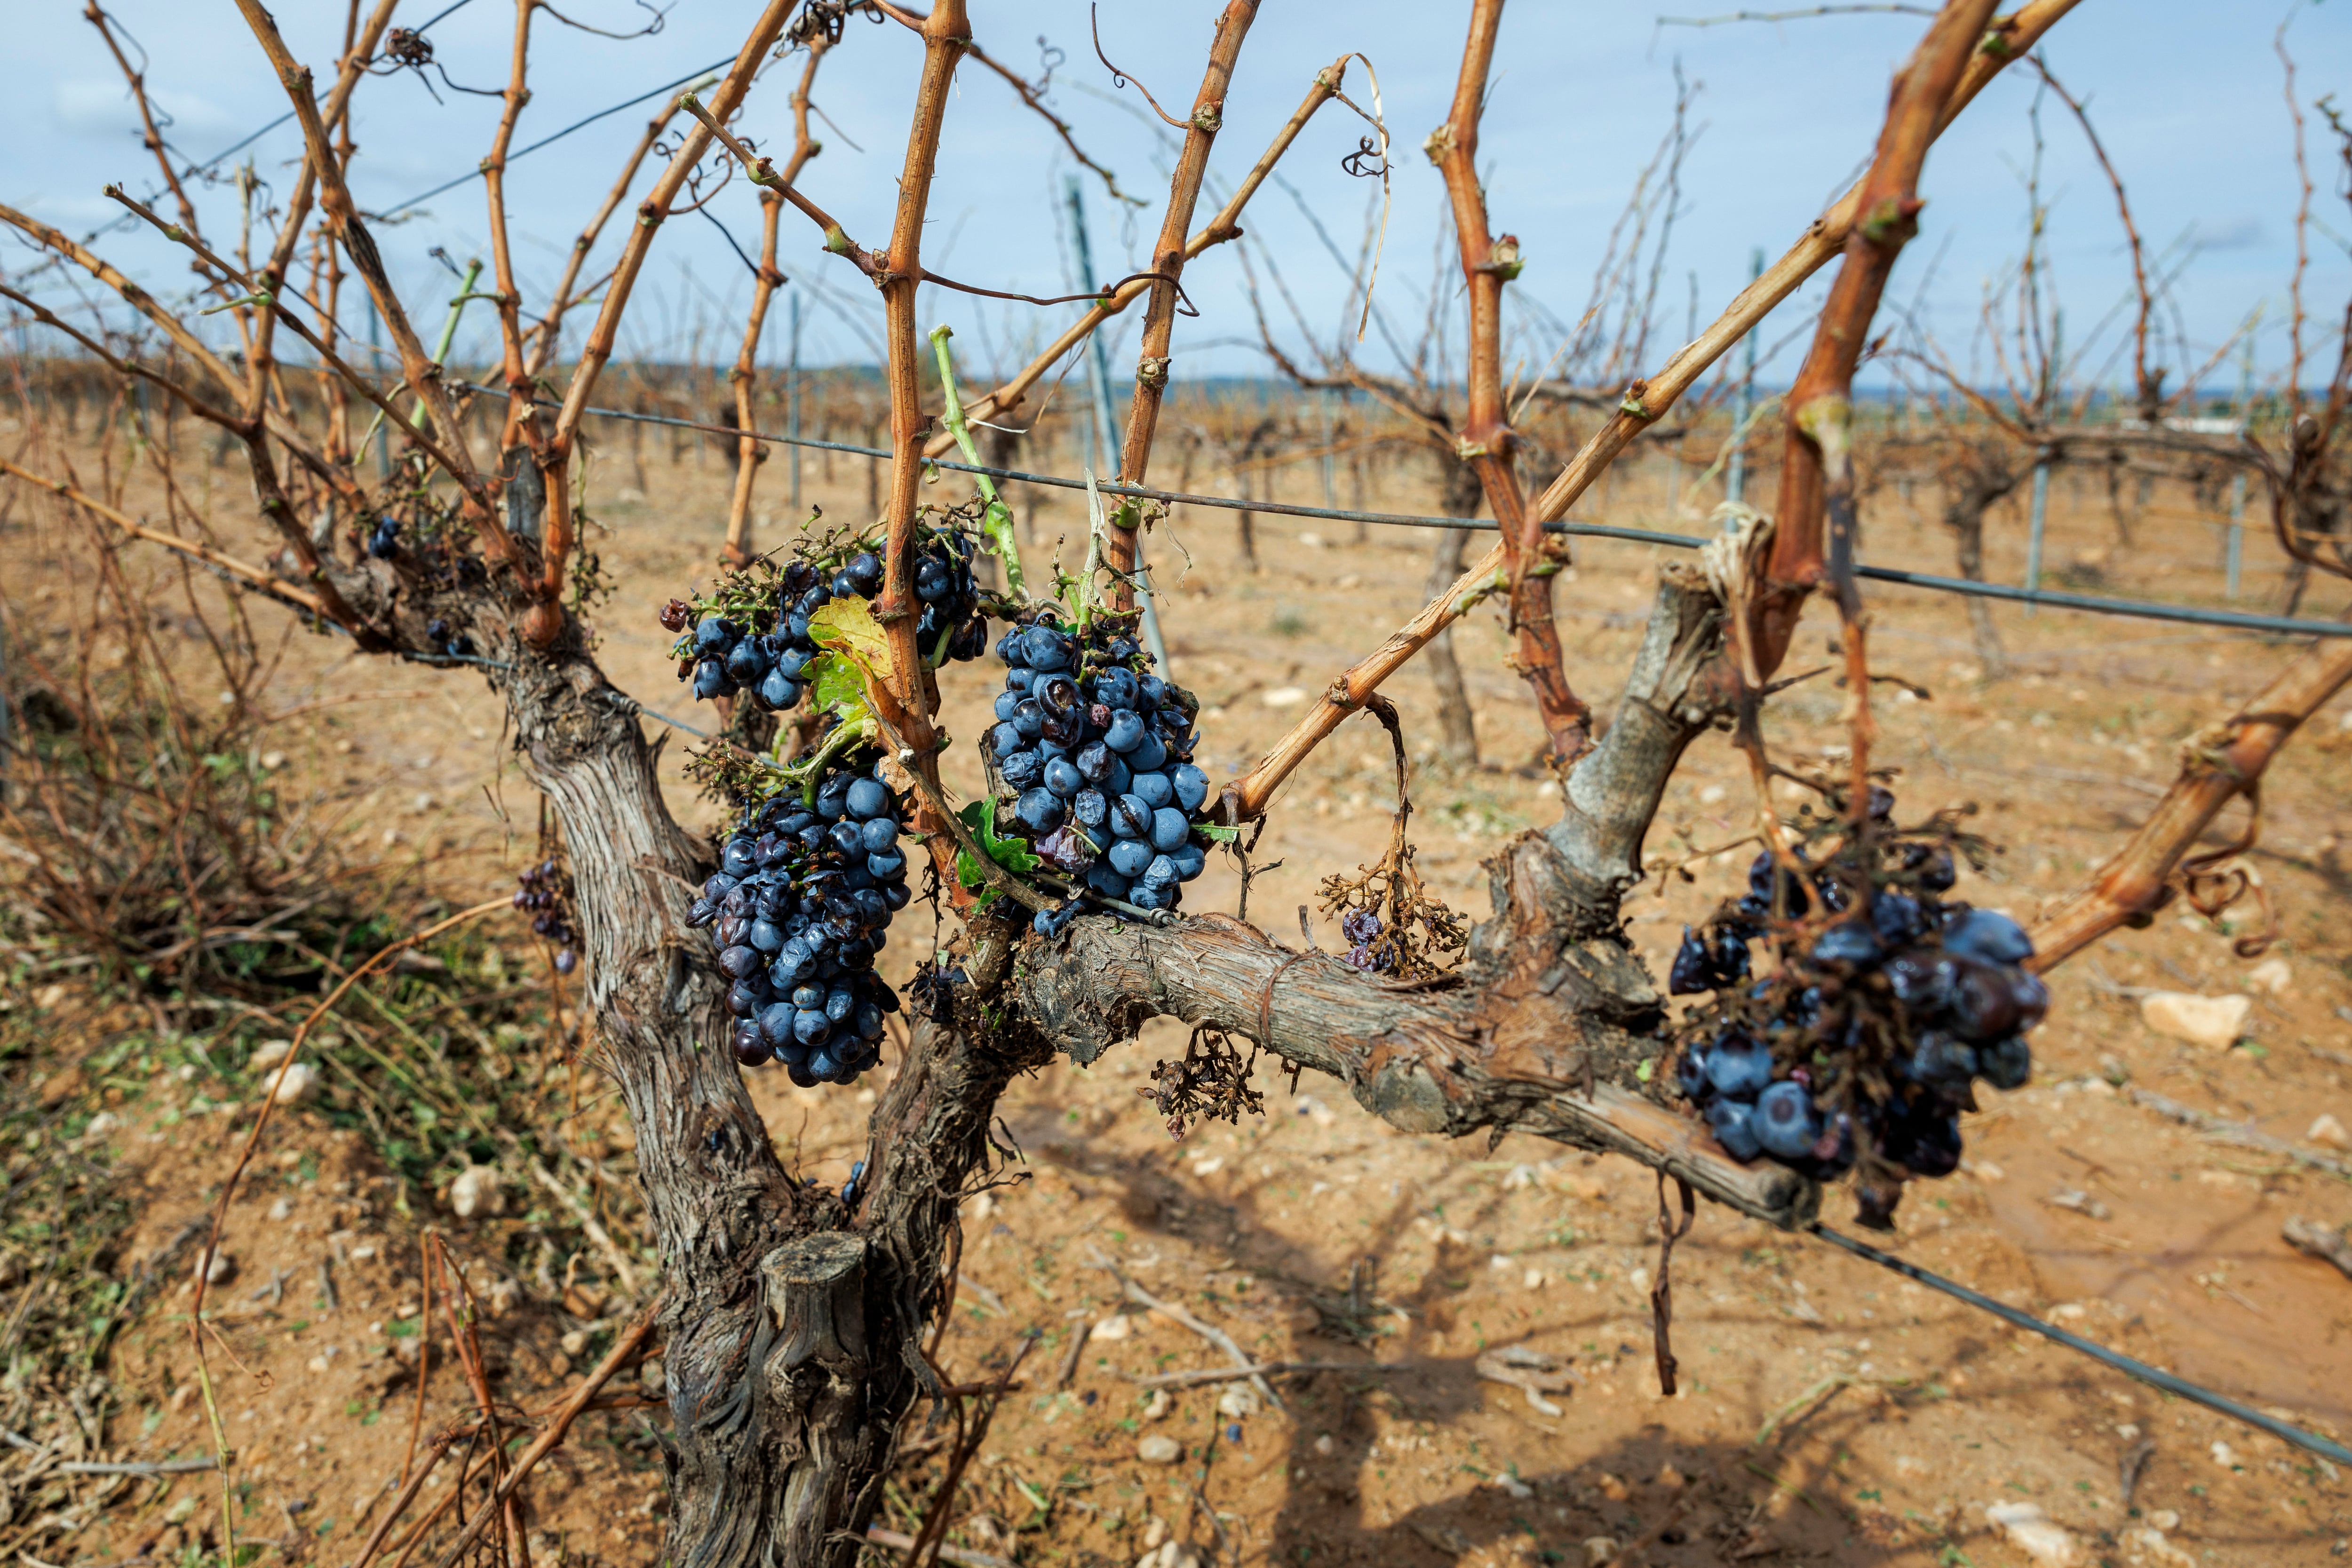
(1861, 1047)
(1096, 751)
(801, 903)
(764, 652)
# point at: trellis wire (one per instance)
(556, 136)
(240, 146)
(2137, 609)
(2154, 1377)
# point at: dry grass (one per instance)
(175, 894)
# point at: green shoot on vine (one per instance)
(996, 518)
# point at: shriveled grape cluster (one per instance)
(802, 900)
(1859, 1049)
(1096, 751)
(764, 648)
(542, 889)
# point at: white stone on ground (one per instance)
(2033, 1532)
(2215, 1022)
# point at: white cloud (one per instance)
(102, 105)
(2245, 233)
(73, 211)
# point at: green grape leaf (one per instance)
(838, 686)
(847, 626)
(1013, 854)
(1222, 835)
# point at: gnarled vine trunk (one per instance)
(794, 1317)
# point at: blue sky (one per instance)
(2187, 96)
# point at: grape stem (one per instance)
(996, 518)
(844, 736)
(995, 875)
(1149, 917)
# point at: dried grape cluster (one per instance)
(765, 648)
(429, 545)
(1859, 1049)
(1095, 752)
(1392, 923)
(802, 899)
(542, 889)
(1212, 1083)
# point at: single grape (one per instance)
(1734, 1127)
(1739, 1068)
(1848, 942)
(1786, 1123)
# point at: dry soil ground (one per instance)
(1830, 1412)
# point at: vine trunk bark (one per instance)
(1982, 475)
(1457, 723)
(794, 1314)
